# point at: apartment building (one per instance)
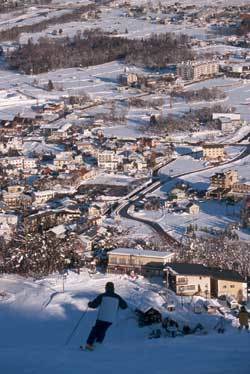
(241, 188)
(109, 160)
(195, 70)
(63, 159)
(50, 218)
(224, 180)
(22, 163)
(16, 200)
(41, 197)
(213, 151)
(8, 219)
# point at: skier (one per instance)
(109, 303)
(243, 318)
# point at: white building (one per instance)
(8, 219)
(193, 70)
(109, 160)
(20, 162)
(63, 159)
(228, 121)
(29, 163)
(41, 197)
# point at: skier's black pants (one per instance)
(97, 334)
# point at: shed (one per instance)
(148, 316)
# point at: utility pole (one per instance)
(64, 277)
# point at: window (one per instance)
(190, 288)
(122, 261)
(181, 280)
(232, 286)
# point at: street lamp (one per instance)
(166, 270)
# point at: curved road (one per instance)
(122, 210)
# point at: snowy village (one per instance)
(124, 186)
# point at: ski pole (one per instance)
(76, 327)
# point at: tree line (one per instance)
(14, 32)
(203, 94)
(37, 254)
(93, 47)
(7, 5)
(189, 121)
(217, 252)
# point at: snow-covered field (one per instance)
(213, 215)
(39, 317)
(20, 92)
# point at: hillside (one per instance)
(37, 317)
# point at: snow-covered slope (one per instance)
(37, 317)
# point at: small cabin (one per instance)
(148, 316)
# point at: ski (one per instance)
(84, 349)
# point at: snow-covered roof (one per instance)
(140, 252)
(58, 230)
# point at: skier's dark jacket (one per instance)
(109, 303)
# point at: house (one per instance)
(195, 279)
(178, 193)
(128, 79)
(62, 160)
(213, 152)
(228, 122)
(61, 133)
(97, 209)
(192, 208)
(86, 241)
(146, 262)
